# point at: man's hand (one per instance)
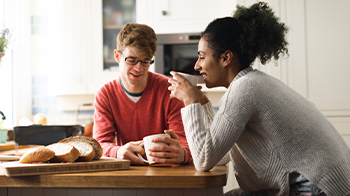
(128, 152)
(168, 154)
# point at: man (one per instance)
(137, 104)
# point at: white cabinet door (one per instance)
(317, 67)
(319, 53)
(97, 75)
(69, 55)
(318, 47)
(182, 16)
(76, 55)
(327, 48)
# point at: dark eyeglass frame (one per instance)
(137, 61)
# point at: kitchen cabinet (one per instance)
(83, 34)
(70, 32)
(110, 15)
(182, 16)
(115, 15)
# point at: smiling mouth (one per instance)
(204, 76)
(136, 75)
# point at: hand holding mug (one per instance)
(182, 89)
(147, 143)
(171, 154)
(128, 151)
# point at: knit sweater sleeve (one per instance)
(208, 114)
(210, 145)
(104, 124)
(208, 117)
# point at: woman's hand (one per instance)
(173, 153)
(183, 90)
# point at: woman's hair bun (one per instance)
(262, 35)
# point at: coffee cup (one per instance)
(191, 78)
(147, 144)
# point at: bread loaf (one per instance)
(37, 155)
(97, 147)
(64, 153)
(76, 148)
(86, 151)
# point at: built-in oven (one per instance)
(177, 52)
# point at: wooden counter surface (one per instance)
(183, 176)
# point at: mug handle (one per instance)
(141, 145)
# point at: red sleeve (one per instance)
(175, 124)
(104, 126)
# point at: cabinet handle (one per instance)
(164, 12)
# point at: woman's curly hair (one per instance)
(250, 33)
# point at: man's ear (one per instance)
(117, 55)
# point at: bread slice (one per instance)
(37, 155)
(64, 153)
(97, 147)
(86, 151)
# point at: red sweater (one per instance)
(118, 118)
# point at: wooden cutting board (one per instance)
(104, 164)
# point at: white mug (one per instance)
(147, 144)
(191, 78)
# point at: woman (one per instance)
(278, 142)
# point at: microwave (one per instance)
(177, 52)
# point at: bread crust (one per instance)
(67, 157)
(95, 144)
(37, 155)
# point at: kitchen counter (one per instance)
(138, 180)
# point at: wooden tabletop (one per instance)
(8, 148)
(183, 176)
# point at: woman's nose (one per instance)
(197, 66)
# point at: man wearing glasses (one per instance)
(137, 104)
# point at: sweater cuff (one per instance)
(113, 152)
(188, 157)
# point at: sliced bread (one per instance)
(37, 155)
(97, 147)
(86, 151)
(64, 153)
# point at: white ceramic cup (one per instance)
(147, 144)
(193, 79)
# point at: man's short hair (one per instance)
(139, 36)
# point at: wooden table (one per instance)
(138, 180)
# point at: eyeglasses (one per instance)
(134, 61)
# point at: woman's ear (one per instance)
(228, 57)
(117, 55)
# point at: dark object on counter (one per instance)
(3, 116)
(45, 135)
(10, 135)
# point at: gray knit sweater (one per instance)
(269, 131)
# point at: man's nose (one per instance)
(138, 65)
